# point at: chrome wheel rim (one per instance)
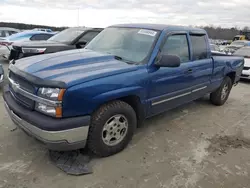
(224, 91)
(115, 130)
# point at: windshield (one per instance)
(243, 52)
(67, 35)
(131, 44)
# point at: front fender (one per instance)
(85, 98)
(119, 93)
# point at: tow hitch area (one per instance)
(72, 162)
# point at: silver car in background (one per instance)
(216, 49)
(235, 46)
(7, 31)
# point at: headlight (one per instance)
(50, 94)
(33, 50)
(49, 110)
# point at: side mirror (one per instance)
(81, 44)
(168, 61)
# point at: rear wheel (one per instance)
(220, 96)
(112, 128)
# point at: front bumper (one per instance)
(18, 54)
(1, 74)
(245, 74)
(4, 52)
(1, 78)
(56, 134)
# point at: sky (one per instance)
(102, 13)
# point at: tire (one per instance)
(108, 114)
(220, 96)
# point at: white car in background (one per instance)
(230, 49)
(244, 52)
(32, 35)
(7, 31)
(216, 49)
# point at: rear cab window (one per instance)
(199, 46)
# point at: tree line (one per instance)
(213, 32)
(223, 33)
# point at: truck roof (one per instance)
(160, 27)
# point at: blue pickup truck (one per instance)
(97, 96)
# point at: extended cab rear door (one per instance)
(201, 68)
(173, 86)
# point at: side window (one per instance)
(88, 36)
(46, 37)
(177, 45)
(40, 37)
(34, 37)
(12, 32)
(7, 33)
(2, 33)
(199, 45)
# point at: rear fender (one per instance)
(233, 69)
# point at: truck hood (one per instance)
(73, 66)
(38, 44)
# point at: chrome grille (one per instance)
(23, 83)
(25, 86)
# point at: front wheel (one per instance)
(220, 96)
(112, 128)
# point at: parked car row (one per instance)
(7, 42)
(72, 38)
(220, 42)
(230, 49)
(35, 42)
(43, 29)
(216, 49)
(237, 48)
(97, 95)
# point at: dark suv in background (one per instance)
(71, 38)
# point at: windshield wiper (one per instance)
(122, 59)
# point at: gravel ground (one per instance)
(196, 145)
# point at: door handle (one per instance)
(189, 71)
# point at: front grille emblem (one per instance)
(15, 86)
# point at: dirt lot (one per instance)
(196, 145)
